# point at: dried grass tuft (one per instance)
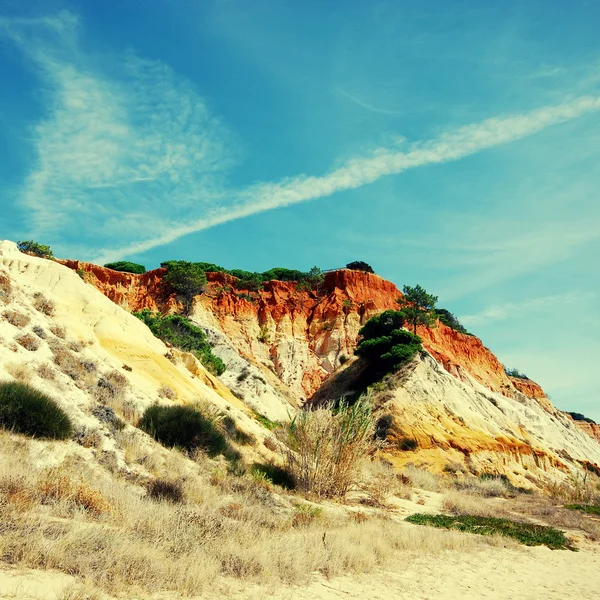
(43, 304)
(16, 318)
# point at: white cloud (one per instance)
(124, 150)
(500, 312)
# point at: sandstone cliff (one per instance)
(282, 344)
(306, 335)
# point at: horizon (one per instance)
(457, 149)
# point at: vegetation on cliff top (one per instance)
(360, 265)
(186, 278)
(252, 280)
(35, 248)
(515, 373)
(418, 306)
(126, 266)
(448, 319)
(180, 332)
(579, 417)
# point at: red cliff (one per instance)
(306, 334)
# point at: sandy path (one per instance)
(494, 574)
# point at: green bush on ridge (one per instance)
(31, 247)
(125, 266)
(252, 280)
(26, 410)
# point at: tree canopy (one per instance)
(125, 266)
(385, 344)
(31, 247)
(186, 278)
(360, 265)
(418, 306)
(448, 319)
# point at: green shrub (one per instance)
(385, 344)
(180, 332)
(526, 533)
(31, 247)
(276, 475)
(184, 427)
(359, 265)
(165, 491)
(125, 266)
(590, 509)
(26, 410)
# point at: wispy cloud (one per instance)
(126, 148)
(360, 171)
(132, 152)
(500, 312)
(364, 103)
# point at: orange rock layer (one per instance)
(327, 320)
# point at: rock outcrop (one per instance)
(283, 343)
(306, 335)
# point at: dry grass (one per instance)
(59, 331)
(43, 304)
(79, 369)
(89, 438)
(465, 503)
(16, 318)
(576, 488)
(40, 332)
(114, 537)
(556, 515)
(111, 389)
(326, 447)
(55, 486)
(5, 288)
(28, 341)
(165, 391)
(422, 479)
(380, 482)
(20, 371)
(45, 371)
(489, 488)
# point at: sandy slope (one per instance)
(496, 574)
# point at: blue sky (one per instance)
(455, 145)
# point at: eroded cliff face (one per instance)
(592, 429)
(306, 335)
(282, 343)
